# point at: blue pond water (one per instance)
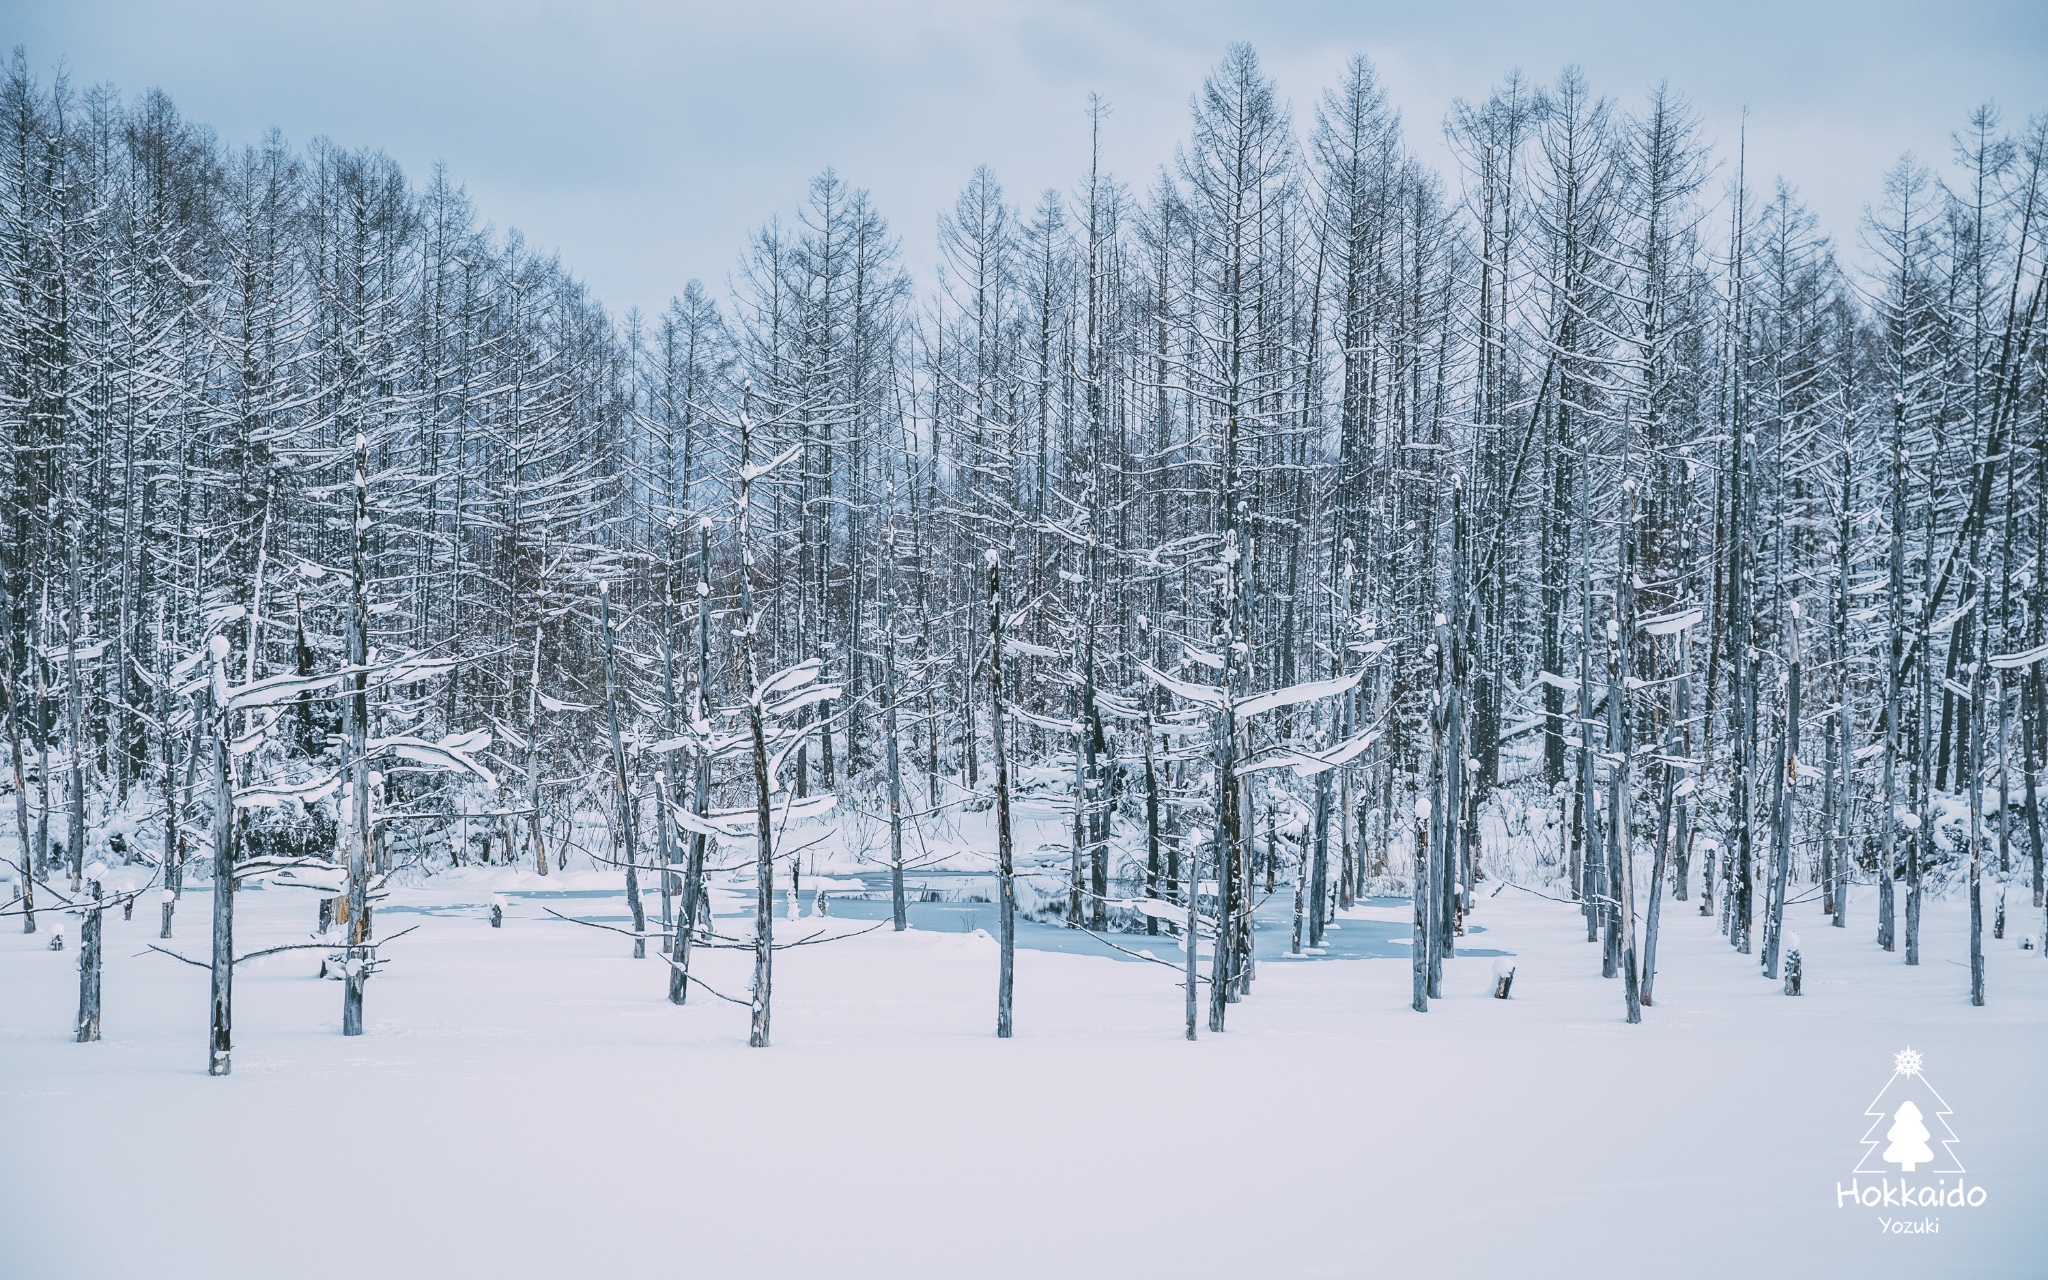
(959, 908)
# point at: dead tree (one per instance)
(221, 1031)
(1894, 675)
(357, 960)
(24, 863)
(1782, 799)
(1006, 885)
(623, 797)
(89, 963)
(700, 730)
(1976, 767)
(75, 700)
(898, 913)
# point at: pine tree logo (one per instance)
(1899, 1138)
(1908, 1139)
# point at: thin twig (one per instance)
(175, 956)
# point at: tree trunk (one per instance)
(76, 701)
(764, 880)
(2030, 763)
(671, 855)
(899, 915)
(221, 1037)
(24, 864)
(89, 968)
(535, 832)
(1666, 810)
(1975, 760)
(700, 726)
(1319, 887)
(1190, 936)
(1151, 826)
(1420, 935)
(1622, 923)
(1894, 674)
(749, 662)
(1784, 800)
(624, 795)
(1006, 887)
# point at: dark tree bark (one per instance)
(623, 796)
(1006, 886)
(89, 967)
(221, 1034)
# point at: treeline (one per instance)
(1596, 413)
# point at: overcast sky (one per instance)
(645, 140)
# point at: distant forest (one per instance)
(1579, 495)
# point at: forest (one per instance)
(1585, 520)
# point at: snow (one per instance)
(1673, 623)
(526, 1103)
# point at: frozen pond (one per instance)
(962, 902)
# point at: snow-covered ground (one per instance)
(526, 1103)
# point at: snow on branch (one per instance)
(1307, 691)
(2008, 661)
(451, 752)
(1199, 694)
